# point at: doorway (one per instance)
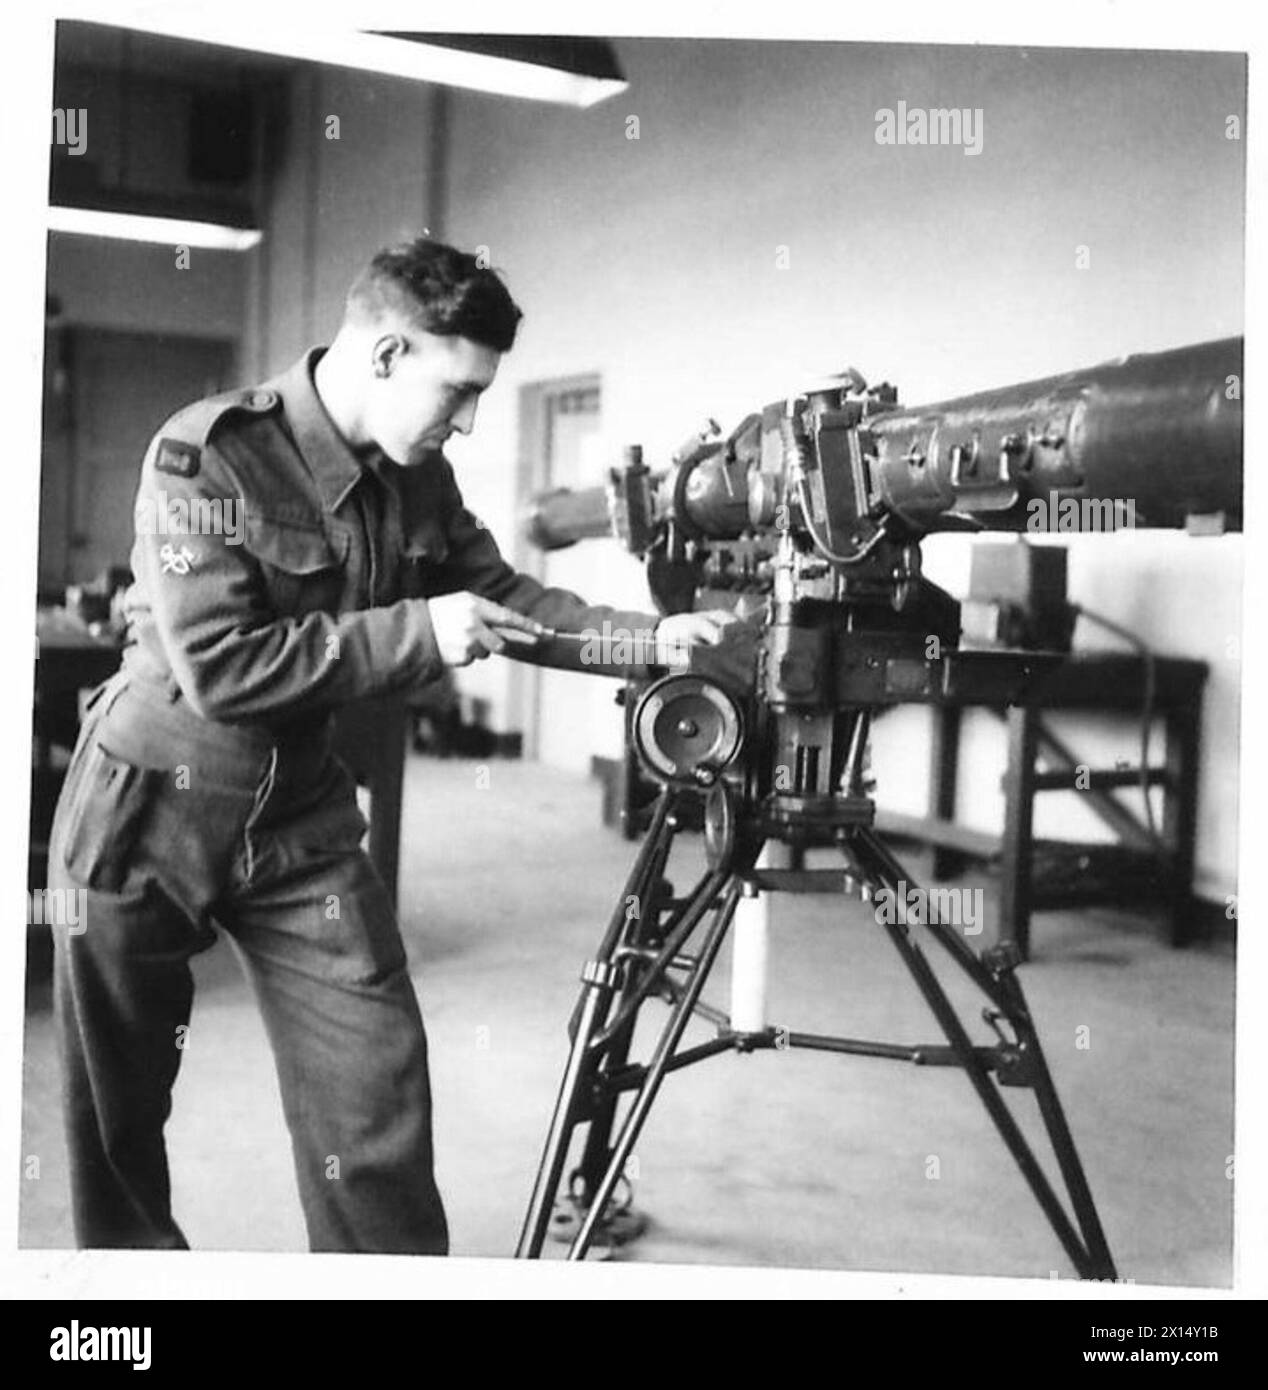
(106, 394)
(559, 426)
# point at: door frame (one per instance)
(532, 474)
(81, 341)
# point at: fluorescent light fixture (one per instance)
(383, 53)
(166, 231)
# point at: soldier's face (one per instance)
(425, 390)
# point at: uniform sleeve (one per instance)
(230, 653)
(475, 563)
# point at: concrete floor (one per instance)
(780, 1158)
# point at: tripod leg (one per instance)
(565, 1117)
(594, 1156)
(609, 1043)
(1062, 1140)
(1003, 986)
(665, 1046)
(599, 977)
(1088, 1253)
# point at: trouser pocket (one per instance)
(105, 810)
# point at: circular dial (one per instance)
(686, 729)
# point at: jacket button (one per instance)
(262, 400)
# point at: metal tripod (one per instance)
(644, 953)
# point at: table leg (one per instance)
(1018, 841)
(944, 761)
(1179, 824)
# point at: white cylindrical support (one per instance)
(750, 946)
(750, 953)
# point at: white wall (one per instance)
(654, 262)
(331, 203)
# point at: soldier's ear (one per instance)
(386, 352)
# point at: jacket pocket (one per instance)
(303, 563)
(106, 812)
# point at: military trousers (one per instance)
(168, 824)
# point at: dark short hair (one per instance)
(440, 289)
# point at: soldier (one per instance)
(298, 546)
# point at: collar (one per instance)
(334, 466)
(423, 492)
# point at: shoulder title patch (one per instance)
(178, 457)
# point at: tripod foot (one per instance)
(620, 1223)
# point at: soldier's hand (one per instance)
(682, 630)
(464, 627)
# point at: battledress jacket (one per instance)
(277, 573)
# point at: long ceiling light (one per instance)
(166, 231)
(395, 55)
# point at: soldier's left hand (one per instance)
(678, 632)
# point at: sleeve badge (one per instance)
(178, 457)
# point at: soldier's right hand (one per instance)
(464, 627)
